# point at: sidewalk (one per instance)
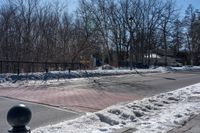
(193, 126)
(77, 99)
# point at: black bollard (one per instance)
(18, 117)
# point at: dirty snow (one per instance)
(56, 77)
(59, 77)
(157, 114)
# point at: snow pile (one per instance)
(165, 69)
(157, 114)
(68, 75)
(178, 69)
(187, 68)
(87, 73)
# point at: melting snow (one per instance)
(57, 77)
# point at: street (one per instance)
(41, 114)
(144, 85)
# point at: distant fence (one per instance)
(26, 66)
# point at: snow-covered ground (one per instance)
(157, 114)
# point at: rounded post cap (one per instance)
(19, 115)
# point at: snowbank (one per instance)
(66, 75)
(157, 114)
(86, 73)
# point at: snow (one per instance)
(60, 76)
(187, 68)
(157, 114)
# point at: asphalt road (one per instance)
(147, 85)
(41, 114)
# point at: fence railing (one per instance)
(29, 66)
(18, 117)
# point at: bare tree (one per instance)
(118, 31)
(166, 20)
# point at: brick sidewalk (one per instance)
(84, 100)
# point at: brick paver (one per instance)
(86, 100)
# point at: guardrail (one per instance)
(18, 117)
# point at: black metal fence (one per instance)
(26, 66)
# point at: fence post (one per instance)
(18, 68)
(46, 67)
(32, 67)
(1, 66)
(80, 66)
(18, 117)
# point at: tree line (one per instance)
(116, 32)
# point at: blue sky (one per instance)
(181, 4)
(72, 4)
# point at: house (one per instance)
(159, 59)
